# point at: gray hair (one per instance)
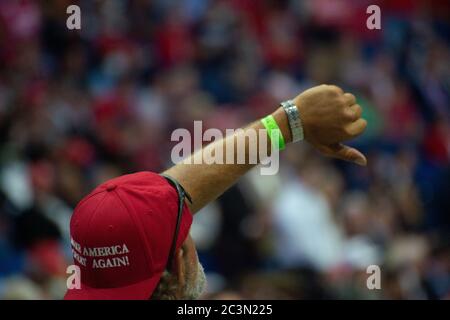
(168, 286)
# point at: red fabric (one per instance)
(437, 144)
(174, 43)
(123, 231)
(79, 151)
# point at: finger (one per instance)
(356, 128)
(354, 112)
(347, 153)
(350, 99)
(336, 89)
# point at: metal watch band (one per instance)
(294, 120)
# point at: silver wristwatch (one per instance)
(295, 122)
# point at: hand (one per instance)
(329, 117)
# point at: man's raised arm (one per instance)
(328, 117)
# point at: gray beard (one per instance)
(196, 286)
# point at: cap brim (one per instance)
(138, 291)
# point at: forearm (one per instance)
(205, 182)
(328, 117)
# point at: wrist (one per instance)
(294, 121)
(282, 120)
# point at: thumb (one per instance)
(347, 153)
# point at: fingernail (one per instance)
(360, 161)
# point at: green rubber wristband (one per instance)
(271, 125)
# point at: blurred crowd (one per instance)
(80, 107)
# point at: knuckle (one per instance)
(331, 92)
(351, 115)
(340, 102)
(348, 131)
(350, 95)
(336, 89)
(350, 98)
(356, 109)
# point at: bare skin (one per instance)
(329, 117)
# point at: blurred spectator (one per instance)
(80, 107)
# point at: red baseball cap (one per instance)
(121, 235)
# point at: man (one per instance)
(130, 236)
